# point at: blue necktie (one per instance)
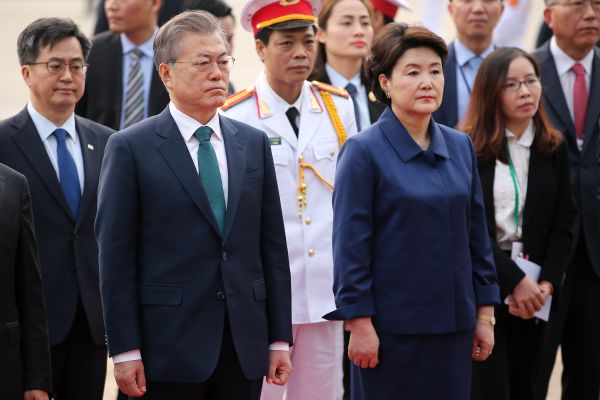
(67, 172)
(208, 168)
(353, 94)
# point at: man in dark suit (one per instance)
(475, 21)
(195, 277)
(570, 69)
(60, 154)
(25, 365)
(122, 86)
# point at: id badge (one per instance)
(517, 250)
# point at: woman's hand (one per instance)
(527, 298)
(363, 348)
(483, 340)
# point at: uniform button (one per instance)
(220, 295)
(311, 252)
(224, 256)
(332, 154)
(301, 158)
(308, 221)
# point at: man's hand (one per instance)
(130, 378)
(35, 395)
(363, 348)
(280, 367)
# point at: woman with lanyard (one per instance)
(345, 36)
(524, 171)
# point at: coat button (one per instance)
(311, 252)
(220, 295)
(224, 256)
(308, 221)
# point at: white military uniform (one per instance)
(308, 227)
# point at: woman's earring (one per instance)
(387, 94)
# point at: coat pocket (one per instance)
(13, 331)
(260, 290)
(162, 295)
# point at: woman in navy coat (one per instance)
(414, 275)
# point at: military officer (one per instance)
(307, 123)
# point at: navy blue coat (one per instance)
(410, 243)
(168, 277)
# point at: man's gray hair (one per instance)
(167, 44)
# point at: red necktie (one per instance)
(580, 100)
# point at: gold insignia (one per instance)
(285, 3)
(315, 106)
(265, 111)
(237, 98)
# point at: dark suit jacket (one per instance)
(410, 243)
(447, 114)
(548, 218)
(585, 164)
(375, 107)
(103, 97)
(23, 328)
(168, 277)
(68, 250)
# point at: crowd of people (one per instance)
(381, 215)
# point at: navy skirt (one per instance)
(417, 367)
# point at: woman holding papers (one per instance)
(524, 171)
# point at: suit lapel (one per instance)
(28, 140)
(593, 111)
(174, 151)
(538, 170)
(92, 160)
(236, 165)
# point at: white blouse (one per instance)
(504, 189)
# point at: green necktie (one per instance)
(210, 175)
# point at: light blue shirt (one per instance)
(146, 63)
(361, 96)
(46, 128)
(463, 74)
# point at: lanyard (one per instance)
(513, 175)
(464, 77)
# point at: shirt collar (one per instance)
(146, 47)
(45, 127)
(280, 104)
(464, 54)
(526, 138)
(339, 80)
(564, 62)
(188, 125)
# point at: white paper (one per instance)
(532, 271)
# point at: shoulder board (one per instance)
(237, 98)
(331, 89)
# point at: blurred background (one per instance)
(15, 15)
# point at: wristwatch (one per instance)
(489, 318)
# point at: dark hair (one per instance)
(218, 8)
(265, 34)
(387, 19)
(391, 44)
(48, 32)
(484, 120)
(324, 15)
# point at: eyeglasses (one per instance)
(579, 5)
(57, 67)
(225, 64)
(514, 86)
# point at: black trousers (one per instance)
(577, 329)
(510, 372)
(227, 382)
(78, 364)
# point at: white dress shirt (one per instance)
(147, 65)
(361, 93)
(187, 126)
(504, 189)
(564, 63)
(45, 128)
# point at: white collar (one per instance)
(280, 104)
(526, 138)
(464, 54)
(339, 80)
(45, 127)
(564, 62)
(188, 125)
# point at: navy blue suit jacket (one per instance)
(410, 242)
(67, 247)
(447, 114)
(585, 164)
(168, 277)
